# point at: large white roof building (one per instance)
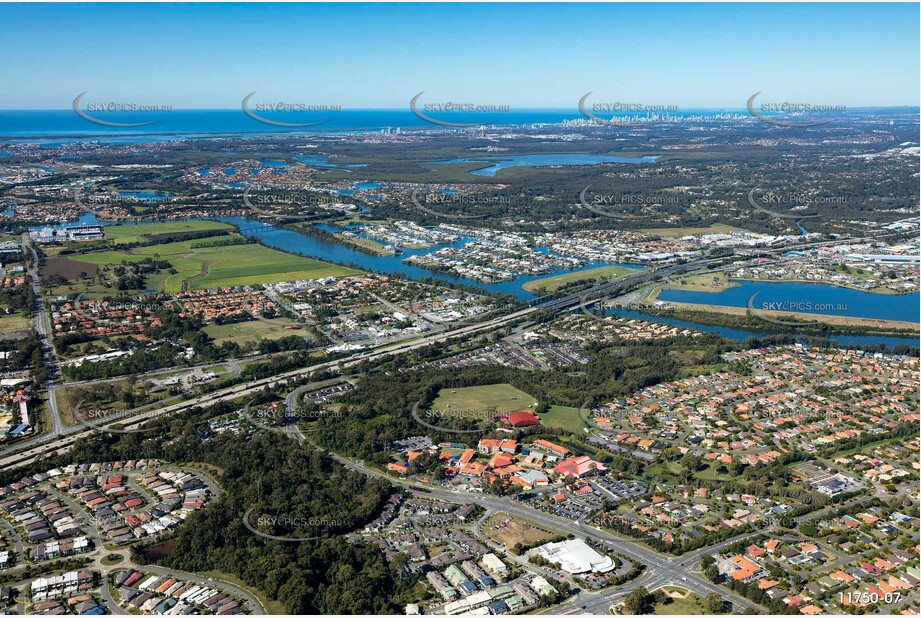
(575, 556)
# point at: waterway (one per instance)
(544, 160)
(815, 298)
(741, 335)
(858, 304)
(65, 125)
(312, 246)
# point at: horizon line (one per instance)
(408, 110)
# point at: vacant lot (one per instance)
(707, 282)
(14, 322)
(552, 284)
(68, 268)
(511, 530)
(246, 332)
(504, 398)
(94, 406)
(675, 232)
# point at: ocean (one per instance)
(203, 123)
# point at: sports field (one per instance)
(504, 398)
(563, 417)
(216, 267)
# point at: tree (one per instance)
(713, 604)
(637, 602)
(712, 573)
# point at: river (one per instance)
(855, 303)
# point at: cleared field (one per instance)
(14, 322)
(504, 398)
(249, 332)
(90, 411)
(68, 268)
(552, 284)
(707, 282)
(366, 243)
(675, 232)
(216, 267)
(124, 234)
(511, 530)
(563, 417)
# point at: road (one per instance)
(59, 443)
(17, 541)
(55, 441)
(661, 569)
(46, 343)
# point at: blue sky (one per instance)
(208, 56)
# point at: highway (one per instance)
(59, 438)
(46, 343)
(57, 443)
(660, 569)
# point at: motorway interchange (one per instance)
(660, 570)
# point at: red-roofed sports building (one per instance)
(522, 418)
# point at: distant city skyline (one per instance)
(526, 56)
